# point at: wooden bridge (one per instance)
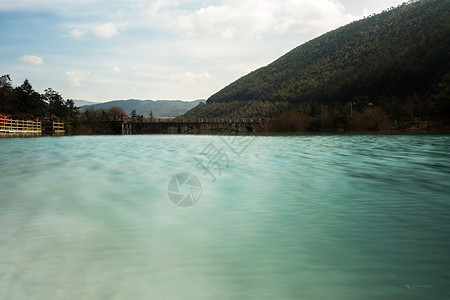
(11, 126)
(22, 127)
(195, 126)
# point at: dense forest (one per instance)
(24, 103)
(387, 71)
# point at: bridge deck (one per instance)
(199, 126)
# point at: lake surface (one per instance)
(210, 217)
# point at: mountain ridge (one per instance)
(159, 108)
(397, 61)
(313, 60)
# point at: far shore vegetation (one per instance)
(24, 103)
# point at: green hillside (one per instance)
(397, 62)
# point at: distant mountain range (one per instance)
(159, 108)
(80, 103)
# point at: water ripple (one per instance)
(292, 217)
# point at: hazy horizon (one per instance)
(106, 101)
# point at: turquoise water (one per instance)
(295, 217)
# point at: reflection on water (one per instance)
(302, 217)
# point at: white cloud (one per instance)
(74, 78)
(157, 8)
(31, 59)
(77, 33)
(217, 41)
(106, 30)
(190, 77)
(255, 18)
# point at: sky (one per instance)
(102, 50)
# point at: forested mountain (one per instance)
(397, 62)
(159, 108)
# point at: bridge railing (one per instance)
(203, 120)
(20, 125)
(58, 127)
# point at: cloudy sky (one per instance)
(101, 50)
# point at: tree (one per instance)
(29, 102)
(7, 94)
(290, 121)
(56, 105)
(90, 114)
(72, 109)
(115, 113)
